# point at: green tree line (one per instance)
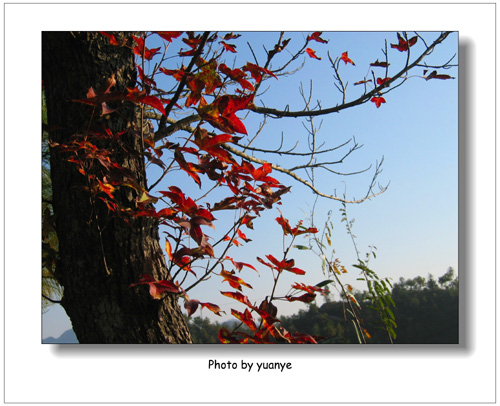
(426, 312)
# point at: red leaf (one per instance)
(286, 264)
(381, 64)
(283, 222)
(99, 97)
(221, 112)
(362, 81)
(307, 288)
(267, 313)
(233, 280)
(107, 188)
(316, 37)
(177, 74)
(142, 77)
(169, 35)
(287, 229)
(112, 39)
(167, 213)
(139, 96)
(238, 75)
(378, 101)
(300, 338)
(188, 53)
(261, 173)
(239, 297)
(247, 221)
(153, 102)
(229, 104)
(312, 53)
(268, 307)
(191, 306)
(184, 264)
(404, 45)
(256, 71)
(243, 236)
(187, 167)
(212, 144)
(239, 265)
(225, 337)
(381, 81)
(346, 59)
(157, 289)
(186, 205)
(229, 47)
(435, 75)
(140, 49)
(306, 298)
(192, 40)
(212, 307)
(231, 36)
(246, 318)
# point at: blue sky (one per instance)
(414, 224)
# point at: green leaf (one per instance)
(357, 332)
(301, 247)
(324, 283)
(392, 322)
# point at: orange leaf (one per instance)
(233, 280)
(346, 59)
(378, 101)
(168, 248)
(312, 53)
(112, 39)
(107, 188)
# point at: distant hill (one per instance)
(68, 337)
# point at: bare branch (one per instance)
(368, 195)
(362, 99)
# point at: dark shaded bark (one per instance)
(101, 254)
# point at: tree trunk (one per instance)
(100, 253)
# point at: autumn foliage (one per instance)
(220, 96)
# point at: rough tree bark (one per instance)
(101, 255)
